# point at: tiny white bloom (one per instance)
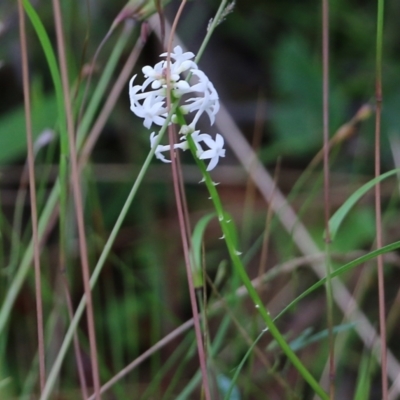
(159, 149)
(180, 57)
(152, 111)
(216, 150)
(153, 75)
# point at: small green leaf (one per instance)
(13, 130)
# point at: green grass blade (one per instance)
(341, 270)
(340, 214)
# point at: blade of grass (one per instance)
(337, 219)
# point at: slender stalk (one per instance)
(378, 216)
(216, 20)
(32, 186)
(77, 197)
(183, 218)
(325, 114)
(78, 354)
(267, 229)
(225, 224)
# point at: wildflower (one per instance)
(215, 152)
(159, 149)
(149, 102)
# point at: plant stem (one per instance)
(77, 197)
(378, 216)
(325, 114)
(227, 229)
(32, 186)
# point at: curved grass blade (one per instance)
(339, 271)
(340, 214)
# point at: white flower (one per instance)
(162, 148)
(159, 148)
(152, 111)
(148, 101)
(182, 60)
(215, 151)
(153, 75)
(151, 105)
(208, 103)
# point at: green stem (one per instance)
(240, 269)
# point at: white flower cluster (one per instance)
(151, 105)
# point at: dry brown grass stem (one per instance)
(77, 197)
(325, 118)
(250, 192)
(268, 219)
(32, 186)
(112, 98)
(78, 354)
(379, 241)
(182, 214)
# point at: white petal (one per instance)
(213, 163)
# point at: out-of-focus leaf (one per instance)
(297, 116)
(13, 128)
(358, 229)
(306, 338)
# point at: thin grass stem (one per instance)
(325, 117)
(378, 210)
(77, 197)
(32, 186)
(183, 217)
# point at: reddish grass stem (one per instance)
(325, 116)
(77, 197)
(379, 244)
(183, 220)
(78, 354)
(378, 216)
(32, 187)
